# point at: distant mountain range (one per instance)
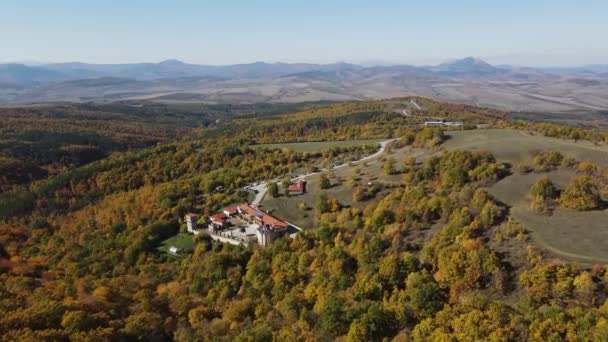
(468, 80)
(23, 75)
(467, 67)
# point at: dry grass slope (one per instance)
(569, 234)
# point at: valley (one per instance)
(303, 171)
(469, 80)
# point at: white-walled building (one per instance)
(191, 223)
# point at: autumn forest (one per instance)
(88, 193)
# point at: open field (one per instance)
(183, 241)
(513, 145)
(569, 234)
(318, 146)
(371, 171)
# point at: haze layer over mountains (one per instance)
(468, 80)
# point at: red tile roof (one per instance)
(251, 211)
(264, 217)
(231, 209)
(299, 186)
(218, 217)
(273, 221)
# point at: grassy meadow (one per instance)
(370, 171)
(317, 146)
(569, 234)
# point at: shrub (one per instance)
(581, 194)
(540, 205)
(548, 160)
(523, 168)
(359, 195)
(324, 182)
(587, 168)
(389, 166)
(544, 189)
(322, 203)
(569, 162)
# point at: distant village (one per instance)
(243, 224)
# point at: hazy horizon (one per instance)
(360, 63)
(543, 33)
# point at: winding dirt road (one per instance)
(262, 187)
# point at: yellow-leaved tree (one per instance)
(581, 194)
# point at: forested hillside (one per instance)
(47, 140)
(433, 256)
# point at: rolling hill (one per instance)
(469, 80)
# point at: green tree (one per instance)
(143, 326)
(333, 319)
(381, 217)
(426, 297)
(322, 203)
(373, 325)
(389, 166)
(358, 332)
(285, 183)
(76, 320)
(273, 189)
(324, 182)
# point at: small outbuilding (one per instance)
(298, 188)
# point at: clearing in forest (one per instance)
(574, 235)
(182, 241)
(344, 180)
(510, 145)
(318, 146)
(569, 234)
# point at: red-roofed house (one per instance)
(297, 189)
(218, 220)
(231, 210)
(270, 227)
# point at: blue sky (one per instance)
(533, 32)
